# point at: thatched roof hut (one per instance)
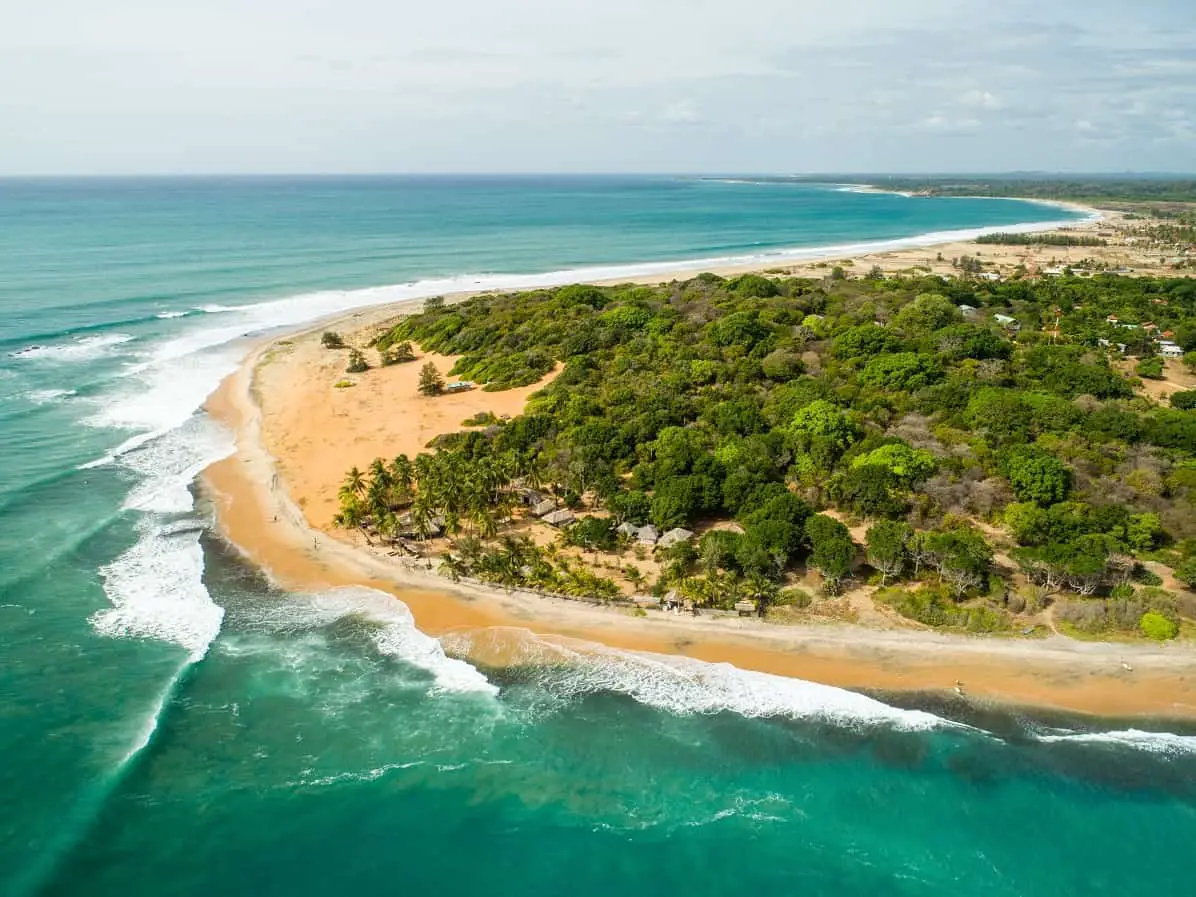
(648, 535)
(559, 518)
(674, 537)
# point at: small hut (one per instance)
(543, 508)
(559, 518)
(648, 535)
(674, 537)
(630, 530)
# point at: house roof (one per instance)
(648, 534)
(559, 518)
(673, 536)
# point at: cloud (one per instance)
(684, 112)
(981, 99)
(112, 86)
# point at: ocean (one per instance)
(172, 724)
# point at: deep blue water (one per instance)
(171, 725)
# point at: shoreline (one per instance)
(258, 515)
(795, 258)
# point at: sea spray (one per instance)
(683, 685)
(394, 634)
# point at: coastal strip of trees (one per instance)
(992, 474)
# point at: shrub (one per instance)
(1150, 368)
(1146, 577)
(794, 597)
(357, 363)
(397, 354)
(1154, 625)
(430, 381)
(481, 419)
(343, 384)
(330, 339)
(1185, 401)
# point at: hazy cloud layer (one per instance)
(596, 85)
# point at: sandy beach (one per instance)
(296, 436)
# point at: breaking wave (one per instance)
(1154, 742)
(393, 632)
(685, 686)
(83, 349)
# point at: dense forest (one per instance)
(1094, 189)
(990, 470)
(1004, 239)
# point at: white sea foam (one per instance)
(47, 396)
(161, 395)
(156, 590)
(685, 686)
(167, 315)
(156, 587)
(1154, 742)
(82, 349)
(396, 635)
(169, 464)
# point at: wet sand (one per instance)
(297, 435)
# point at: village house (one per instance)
(559, 518)
(1169, 349)
(1007, 322)
(674, 537)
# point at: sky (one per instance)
(745, 86)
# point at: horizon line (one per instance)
(806, 175)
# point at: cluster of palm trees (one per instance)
(436, 493)
(468, 499)
(519, 562)
(725, 589)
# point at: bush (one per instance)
(397, 354)
(430, 381)
(481, 419)
(330, 339)
(357, 363)
(1184, 401)
(1154, 625)
(1150, 368)
(1146, 577)
(343, 384)
(794, 597)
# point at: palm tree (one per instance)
(402, 474)
(761, 590)
(633, 575)
(470, 549)
(452, 566)
(421, 519)
(484, 520)
(354, 482)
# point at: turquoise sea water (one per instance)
(169, 724)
